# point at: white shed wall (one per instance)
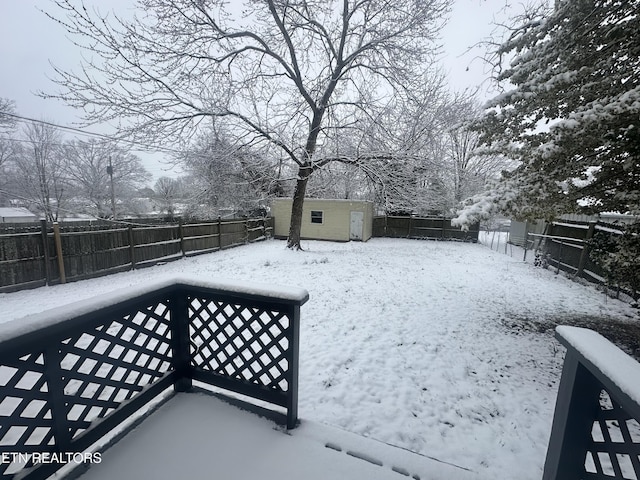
(336, 218)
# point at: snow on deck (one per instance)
(197, 436)
(617, 366)
(62, 313)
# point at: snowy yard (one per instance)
(423, 345)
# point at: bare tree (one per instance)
(227, 174)
(340, 180)
(168, 190)
(8, 146)
(8, 150)
(7, 125)
(409, 172)
(277, 70)
(87, 165)
(7, 115)
(469, 169)
(438, 167)
(39, 171)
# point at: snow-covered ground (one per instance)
(408, 342)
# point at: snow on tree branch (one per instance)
(571, 116)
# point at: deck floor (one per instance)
(197, 436)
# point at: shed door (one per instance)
(355, 230)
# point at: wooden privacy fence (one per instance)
(73, 375)
(565, 247)
(596, 430)
(56, 254)
(431, 228)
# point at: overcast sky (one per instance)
(29, 41)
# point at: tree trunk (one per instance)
(296, 208)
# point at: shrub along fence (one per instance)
(431, 228)
(50, 254)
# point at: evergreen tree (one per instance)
(572, 116)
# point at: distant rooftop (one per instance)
(7, 214)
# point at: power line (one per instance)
(61, 127)
(144, 147)
(62, 144)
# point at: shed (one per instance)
(326, 219)
(16, 215)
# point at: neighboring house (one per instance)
(16, 215)
(323, 219)
(519, 231)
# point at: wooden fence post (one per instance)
(55, 387)
(559, 257)
(526, 239)
(506, 242)
(132, 248)
(585, 248)
(294, 362)
(180, 341)
(219, 233)
(58, 242)
(181, 233)
(45, 244)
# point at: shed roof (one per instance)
(309, 199)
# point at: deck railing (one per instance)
(596, 429)
(70, 376)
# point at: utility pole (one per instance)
(113, 197)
